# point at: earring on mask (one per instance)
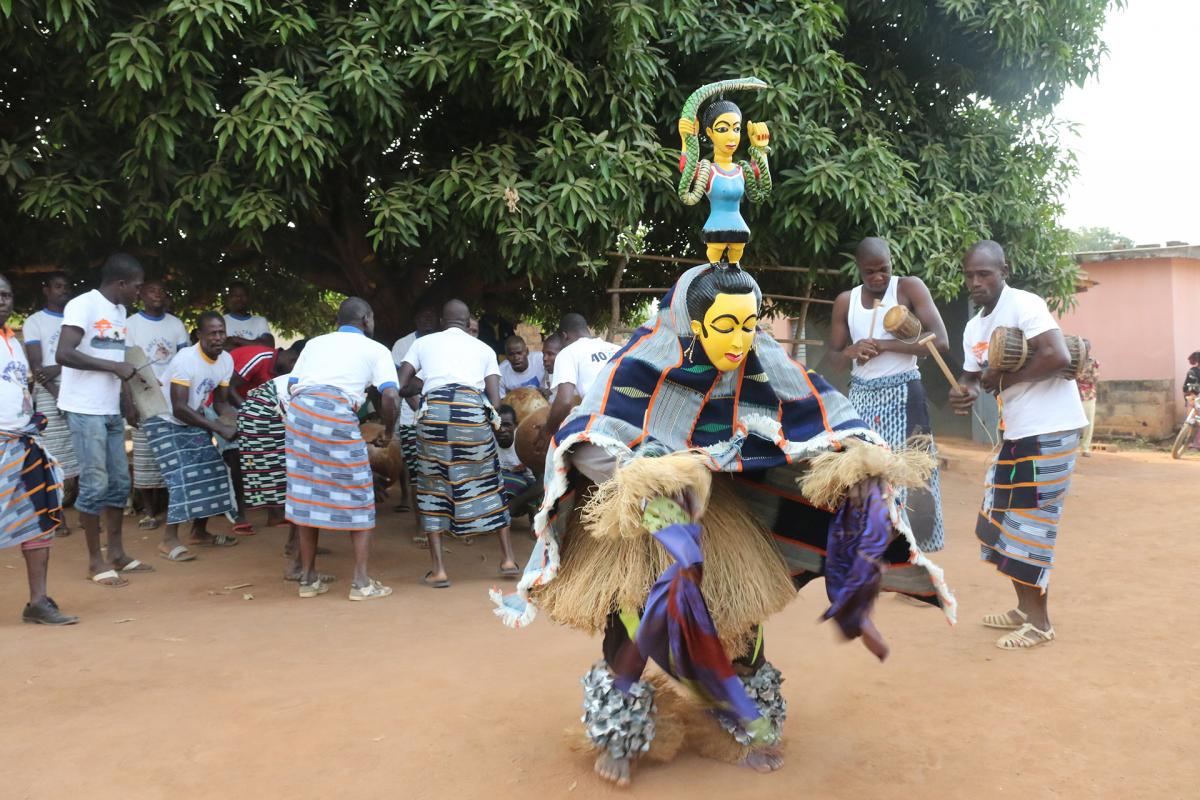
(691, 347)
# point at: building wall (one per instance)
(1185, 286)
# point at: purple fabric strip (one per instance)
(857, 540)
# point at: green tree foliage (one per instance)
(401, 149)
(1098, 238)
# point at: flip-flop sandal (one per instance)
(109, 578)
(444, 583)
(1025, 637)
(510, 572)
(148, 523)
(1005, 621)
(244, 529)
(321, 578)
(220, 540)
(178, 553)
(135, 566)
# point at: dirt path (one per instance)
(425, 695)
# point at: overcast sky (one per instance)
(1139, 127)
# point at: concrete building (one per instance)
(1142, 317)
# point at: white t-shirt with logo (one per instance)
(103, 326)
(1028, 409)
(159, 337)
(200, 374)
(533, 376)
(345, 359)
(16, 405)
(580, 362)
(246, 326)
(452, 356)
(42, 328)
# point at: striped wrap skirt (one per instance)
(146, 474)
(1023, 499)
(56, 438)
(895, 407)
(261, 448)
(30, 491)
(198, 484)
(459, 483)
(329, 481)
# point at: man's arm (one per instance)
(922, 305)
(389, 411)
(1048, 357)
(68, 355)
(189, 416)
(563, 402)
(407, 378)
(491, 387)
(962, 401)
(841, 350)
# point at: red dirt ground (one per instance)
(172, 688)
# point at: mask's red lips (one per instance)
(735, 357)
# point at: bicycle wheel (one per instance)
(1183, 439)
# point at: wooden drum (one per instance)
(902, 323)
(386, 462)
(524, 401)
(1078, 349)
(527, 435)
(1007, 349)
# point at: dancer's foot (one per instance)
(614, 770)
(763, 759)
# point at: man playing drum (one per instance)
(1041, 416)
(885, 384)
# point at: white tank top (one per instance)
(884, 364)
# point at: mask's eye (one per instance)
(723, 327)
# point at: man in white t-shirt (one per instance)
(425, 322)
(523, 369)
(242, 327)
(1042, 416)
(330, 485)
(32, 508)
(459, 486)
(575, 369)
(41, 331)
(160, 336)
(197, 480)
(885, 383)
(552, 345)
(91, 350)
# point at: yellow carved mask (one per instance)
(725, 134)
(728, 329)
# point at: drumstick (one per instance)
(874, 311)
(928, 342)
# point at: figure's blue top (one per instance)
(725, 191)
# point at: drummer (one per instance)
(885, 384)
(1042, 417)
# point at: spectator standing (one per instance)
(41, 332)
(242, 326)
(575, 368)
(160, 336)
(91, 350)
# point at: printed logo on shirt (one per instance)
(205, 390)
(16, 372)
(107, 336)
(599, 358)
(160, 351)
(980, 351)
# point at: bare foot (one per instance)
(614, 770)
(763, 759)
